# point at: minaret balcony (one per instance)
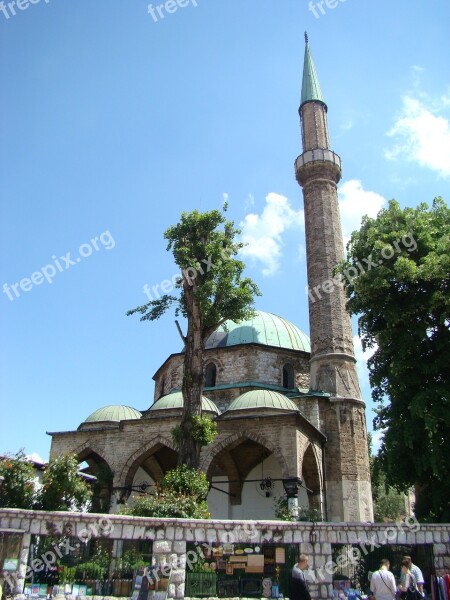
(320, 154)
(315, 158)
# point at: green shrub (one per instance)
(186, 481)
(17, 490)
(168, 504)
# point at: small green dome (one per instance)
(174, 401)
(257, 399)
(264, 328)
(113, 413)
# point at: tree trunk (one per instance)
(189, 449)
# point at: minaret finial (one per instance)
(306, 37)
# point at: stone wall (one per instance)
(170, 537)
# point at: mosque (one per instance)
(288, 407)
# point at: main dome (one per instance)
(263, 328)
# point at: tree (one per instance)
(212, 291)
(17, 490)
(396, 277)
(63, 488)
(389, 505)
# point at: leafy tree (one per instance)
(212, 290)
(62, 486)
(396, 277)
(17, 490)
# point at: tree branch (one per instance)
(180, 332)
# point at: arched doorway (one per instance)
(241, 475)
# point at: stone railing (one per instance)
(170, 536)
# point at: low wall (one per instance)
(170, 536)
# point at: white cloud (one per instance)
(362, 356)
(249, 202)
(422, 136)
(264, 233)
(36, 458)
(377, 438)
(354, 203)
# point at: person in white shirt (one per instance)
(382, 584)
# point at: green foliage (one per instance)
(168, 504)
(388, 503)
(212, 290)
(282, 512)
(204, 430)
(403, 302)
(62, 487)
(204, 247)
(17, 490)
(186, 481)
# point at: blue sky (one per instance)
(113, 123)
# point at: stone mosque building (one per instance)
(286, 406)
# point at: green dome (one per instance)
(174, 401)
(264, 328)
(114, 413)
(262, 399)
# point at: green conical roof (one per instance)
(311, 91)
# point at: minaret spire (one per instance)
(311, 91)
(333, 369)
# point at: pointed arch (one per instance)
(312, 476)
(159, 455)
(234, 440)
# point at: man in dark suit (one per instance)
(299, 588)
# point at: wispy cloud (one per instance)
(263, 233)
(422, 135)
(362, 356)
(354, 203)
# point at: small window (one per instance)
(288, 377)
(210, 375)
(163, 384)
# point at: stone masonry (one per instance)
(171, 535)
(333, 364)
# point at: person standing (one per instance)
(299, 587)
(382, 584)
(418, 576)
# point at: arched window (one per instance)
(163, 385)
(288, 377)
(210, 375)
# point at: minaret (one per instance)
(333, 364)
